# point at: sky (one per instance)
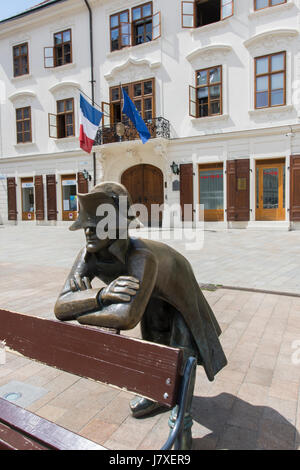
(13, 7)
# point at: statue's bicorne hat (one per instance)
(104, 193)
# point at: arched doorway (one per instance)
(145, 184)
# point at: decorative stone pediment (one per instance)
(272, 39)
(132, 69)
(63, 85)
(211, 52)
(21, 95)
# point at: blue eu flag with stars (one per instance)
(130, 110)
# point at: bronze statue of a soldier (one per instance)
(143, 281)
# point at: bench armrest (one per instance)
(176, 433)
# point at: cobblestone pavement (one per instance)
(254, 403)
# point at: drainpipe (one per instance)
(92, 74)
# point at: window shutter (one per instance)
(51, 197)
(188, 14)
(238, 191)
(187, 192)
(295, 188)
(52, 119)
(39, 198)
(82, 184)
(12, 199)
(227, 8)
(48, 57)
(156, 26)
(193, 101)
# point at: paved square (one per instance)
(254, 403)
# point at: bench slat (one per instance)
(27, 426)
(145, 368)
(13, 440)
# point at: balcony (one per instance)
(158, 127)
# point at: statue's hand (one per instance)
(80, 283)
(119, 290)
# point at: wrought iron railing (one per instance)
(158, 127)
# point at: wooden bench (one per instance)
(141, 367)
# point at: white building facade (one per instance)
(216, 81)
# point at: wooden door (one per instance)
(211, 191)
(39, 197)
(12, 198)
(187, 192)
(238, 190)
(145, 185)
(51, 197)
(270, 190)
(27, 196)
(295, 188)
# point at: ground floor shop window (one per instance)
(27, 199)
(211, 191)
(69, 197)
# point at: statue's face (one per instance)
(93, 243)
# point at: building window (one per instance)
(195, 14)
(144, 27)
(142, 23)
(61, 53)
(27, 199)
(62, 124)
(23, 120)
(20, 57)
(141, 93)
(206, 98)
(69, 197)
(119, 30)
(270, 80)
(260, 4)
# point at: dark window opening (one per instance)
(207, 12)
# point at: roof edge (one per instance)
(31, 10)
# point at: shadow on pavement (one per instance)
(238, 425)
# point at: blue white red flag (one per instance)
(90, 119)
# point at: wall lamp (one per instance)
(86, 175)
(175, 169)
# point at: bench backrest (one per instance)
(145, 368)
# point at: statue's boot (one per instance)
(140, 406)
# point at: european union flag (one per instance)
(130, 110)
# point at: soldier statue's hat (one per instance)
(104, 193)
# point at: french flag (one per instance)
(90, 119)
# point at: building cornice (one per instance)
(246, 133)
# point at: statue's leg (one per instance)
(155, 327)
(182, 338)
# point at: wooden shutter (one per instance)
(82, 184)
(39, 198)
(12, 199)
(187, 192)
(51, 197)
(295, 188)
(238, 191)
